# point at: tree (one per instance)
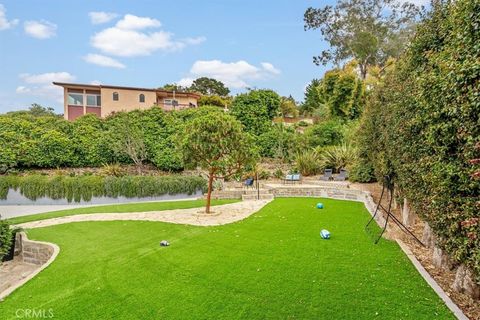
(369, 31)
(288, 107)
(35, 110)
(173, 87)
(209, 86)
(313, 98)
(128, 139)
(214, 100)
(256, 109)
(217, 143)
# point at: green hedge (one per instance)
(85, 187)
(422, 126)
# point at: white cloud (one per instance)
(126, 40)
(4, 22)
(40, 29)
(99, 17)
(40, 85)
(131, 22)
(232, 74)
(185, 82)
(267, 66)
(96, 82)
(103, 61)
(47, 78)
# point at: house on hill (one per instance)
(102, 100)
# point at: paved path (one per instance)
(222, 214)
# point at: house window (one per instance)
(93, 100)
(170, 102)
(75, 99)
(115, 96)
(141, 98)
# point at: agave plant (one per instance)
(338, 157)
(308, 163)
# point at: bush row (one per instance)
(85, 187)
(422, 127)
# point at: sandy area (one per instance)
(222, 214)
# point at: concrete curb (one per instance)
(56, 251)
(370, 205)
(428, 278)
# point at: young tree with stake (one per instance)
(216, 143)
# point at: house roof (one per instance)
(99, 86)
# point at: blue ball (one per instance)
(319, 205)
(325, 234)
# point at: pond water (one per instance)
(14, 197)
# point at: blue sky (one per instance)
(149, 43)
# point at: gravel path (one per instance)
(222, 214)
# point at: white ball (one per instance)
(325, 234)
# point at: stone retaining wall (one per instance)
(344, 194)
(32, 252)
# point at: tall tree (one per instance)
(369, 31)
(216, 143)
(209, 86)
(173, 87)
(313, 97)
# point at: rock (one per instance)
(465, 282)
(428, 237)
(408, 216)
(441, 260)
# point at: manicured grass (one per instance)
(128, 207)
(272, 265)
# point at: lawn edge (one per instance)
(457, 312)
(370, 205)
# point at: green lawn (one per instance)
(273, 265)
(128, 207)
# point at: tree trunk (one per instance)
(209, 193)
(363, 71)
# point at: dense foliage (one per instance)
(6, 235)
(146, 136)
(209, 86)
(422, 127)
(256, 110)
(85, 187)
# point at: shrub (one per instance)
(263, 175)
(277, 142)
(421, 126)
(216, 101)
(324, 134)
(362, 172)
(113, 169)
(337, 157)
(279, 174)
(308, 163)
(6, 234)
